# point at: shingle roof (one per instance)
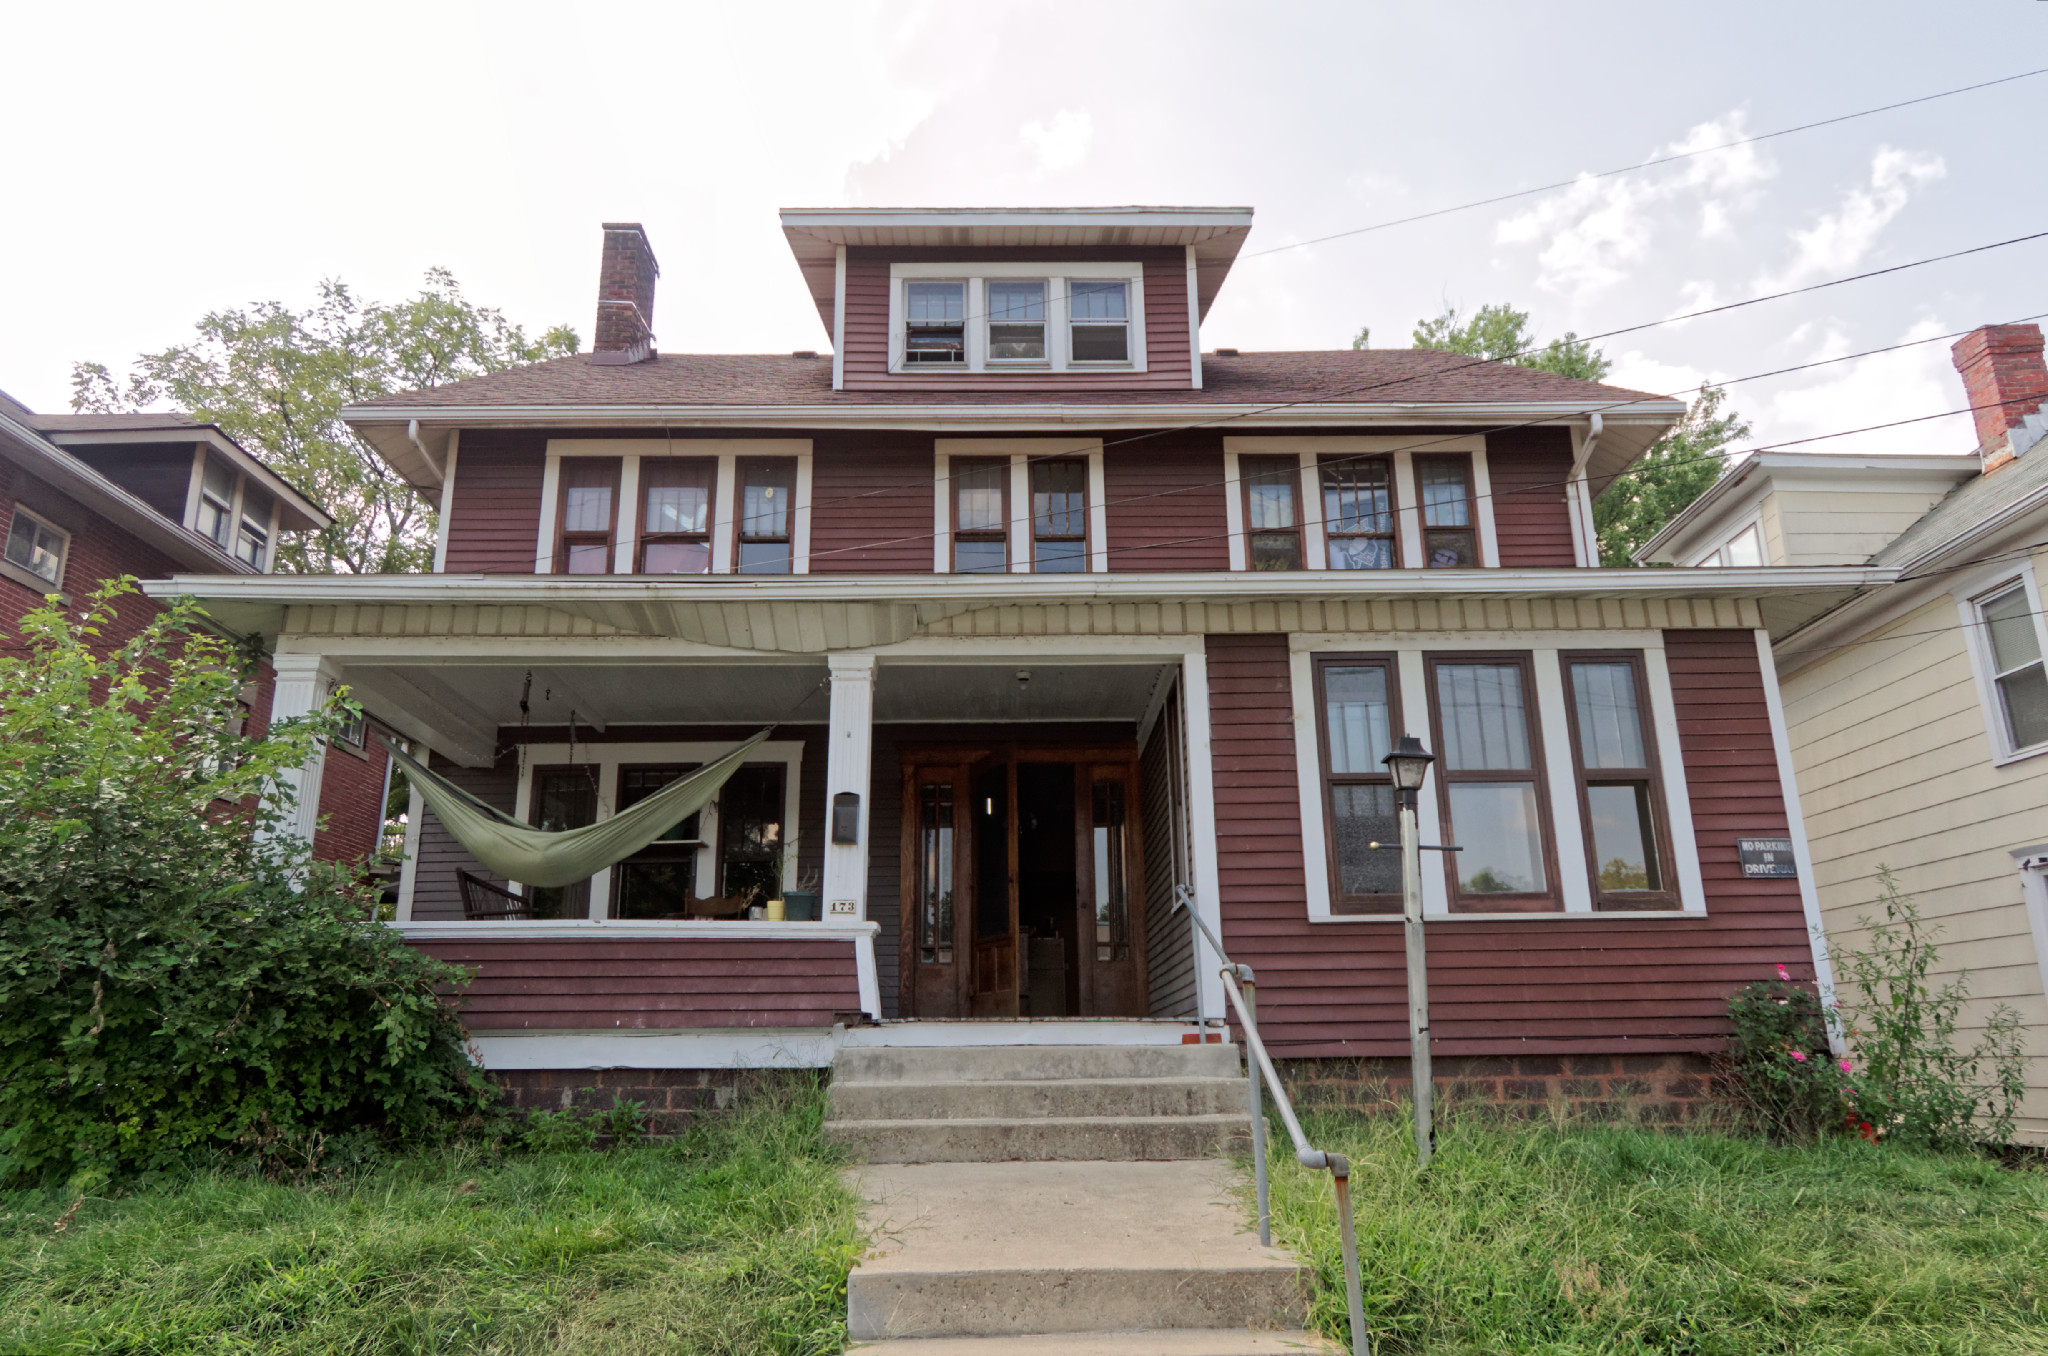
(109, 423)
(1967, 506)
(1372, 376)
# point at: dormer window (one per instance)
(1016, 320)
(1100, 321)
(217, 503)
(935, 328)
(252, 543)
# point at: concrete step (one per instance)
(1030, 1249)
(1019, 1098)
(1168, 1342)
(1043, 1139)
(1033, 1063)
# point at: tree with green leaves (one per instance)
(176, 979)
(1500, 333)
(1676, 470)
(275, 379)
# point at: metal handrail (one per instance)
(1306, 1154)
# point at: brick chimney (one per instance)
(2006, 381)
(625, 296)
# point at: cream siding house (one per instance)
(1918, 711)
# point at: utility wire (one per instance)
(1643, 165)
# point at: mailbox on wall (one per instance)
(846, 818)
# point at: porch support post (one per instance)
(849, 759)
(302, 683)
(1209, 999)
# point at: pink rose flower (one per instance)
(1783, 973)
(1799, 1057)
(1846, 1068)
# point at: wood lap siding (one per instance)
(872, 504)
(1531, 520)
(1168, 360)
(1165, 503)
(494, 525)
(436, 892)
(1543, 986)
(640, 984)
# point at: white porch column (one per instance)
(849, 758)
(302, 683)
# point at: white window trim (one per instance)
(1717, 558)
(24, 576)
(1021, 452)
(975, 278)
(608, 757)
(1567, 828)
(1977, 640)
(1408, 513)
(724, 507)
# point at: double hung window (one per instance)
(1358, 513)
(563, 798)
(1272, 525)
(252, 543)
(2013, 645)
(766, 486)
(675, 515)
(37, 547)
(217, 502)
(659, 880)
(980, 517)
(590, 494)
(1490, 783)
(1059, 516)
(1016, 319)
(1620, 792)
(1098, 321)
(935, 324)
(1444, 483)
(1359, 710)
(750, 837)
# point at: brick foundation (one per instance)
(672, 1098)
(1669, 1089)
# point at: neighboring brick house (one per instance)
(85, 498)
(1918, 712)
(1057, 612)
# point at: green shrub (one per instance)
(558, 1132)
(1915, 1083)
(174, 979)
(1785, 1077)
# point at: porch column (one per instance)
(302, 684)
(849, 756)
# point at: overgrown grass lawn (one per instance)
(736, 1239)
(1556, 1241)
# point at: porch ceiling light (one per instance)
(1409, 763)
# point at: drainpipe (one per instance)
(1579, 492)
(412, 431)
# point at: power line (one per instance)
(1643, 165)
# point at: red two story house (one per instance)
(1054, 612)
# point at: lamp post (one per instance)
(1409, 764)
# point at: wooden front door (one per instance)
(1022, 847)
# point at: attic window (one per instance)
(1100, 324)
(252, 545)
(217, 502)
(935, 330)
(1016, 319)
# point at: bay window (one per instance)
(1271, 523)
(1490, 783)
(675, 515)
(1358, 513)
(1614, 753)
(1358, 714)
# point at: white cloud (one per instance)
(1840, 239)
(1061, 144)
(1598, 229)
(1637, 371)
(1876, 390)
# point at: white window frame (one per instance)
(21, 574)
(1969, 597)
(1055, 276)
(607, 758)
(988, 319)
(726, 452)
(1567, 828)
(1021, 452)
(1717, 558)
(1408, 511)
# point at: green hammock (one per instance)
(545, 859)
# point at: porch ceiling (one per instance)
(995, 694)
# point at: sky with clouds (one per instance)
(165, 161)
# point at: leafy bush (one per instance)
(1784, 1074)
(174, 977)
(558, 1132)
(1915, 1083)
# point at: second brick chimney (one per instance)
(625, 296)
(2006, 381)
